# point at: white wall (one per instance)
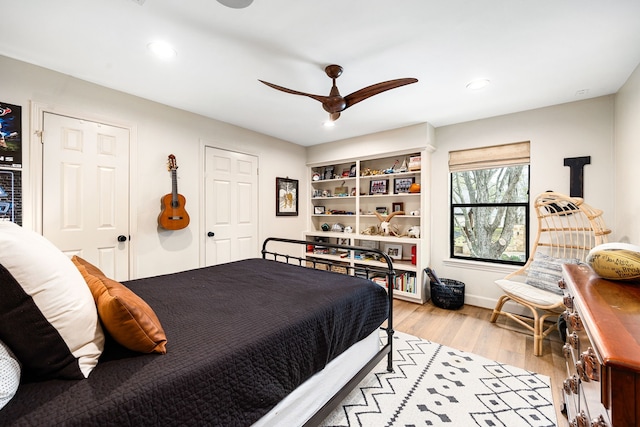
(381, 144)
(576, 129)
(627, 160)
(158, 131)
(569, 130)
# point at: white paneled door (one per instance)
(231, 206)
(86, 191)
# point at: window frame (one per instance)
(526, 205)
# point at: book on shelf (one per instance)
(405, 282)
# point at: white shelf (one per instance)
(333, 198)
(397, 216)
(390, 175)
(364, 204)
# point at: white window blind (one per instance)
(495, 156)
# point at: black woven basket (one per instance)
(449, 294)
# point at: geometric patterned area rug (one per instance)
(434, 385)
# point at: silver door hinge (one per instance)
(39, 134)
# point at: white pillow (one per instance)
(9, 375)
(545, 272)
(47, 314)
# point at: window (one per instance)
(490, 204)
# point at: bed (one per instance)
(251, 342)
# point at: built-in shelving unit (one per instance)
(344, 198)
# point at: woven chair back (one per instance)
(567, 228)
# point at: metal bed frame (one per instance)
(309, 261)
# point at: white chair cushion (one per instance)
(529, 293)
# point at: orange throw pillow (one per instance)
(126, 316)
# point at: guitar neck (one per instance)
(174, 189)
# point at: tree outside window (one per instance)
(490, 214)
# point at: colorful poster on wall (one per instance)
(10, 135)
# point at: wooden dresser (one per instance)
(602, 349)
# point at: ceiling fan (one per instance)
(336, 103)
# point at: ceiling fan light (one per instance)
(235, 4)
(478, 84)
(329, 123)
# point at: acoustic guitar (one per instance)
(173, 215)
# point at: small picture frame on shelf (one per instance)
(378, 186)
(369, 244)
(397, 207)
(319, 210)
(328, 172)
(414, 163)
(352, 170)
(402, 185)
(341, 191)
(382, 210)
(394, 251)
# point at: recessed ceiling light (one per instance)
(478, 84)
(162, 50)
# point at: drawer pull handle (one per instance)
(562, 284)
(590, 364)
(573, 340)
(566, 350)
(571, 385)
(567, 300)
(576, 322)
(581, 372)
(599, 422)
(580, 420)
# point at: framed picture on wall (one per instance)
(286, 197)
(10, 135)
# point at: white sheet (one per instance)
(310, 396)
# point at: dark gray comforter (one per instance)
(241, 336)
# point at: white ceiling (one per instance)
(535, 53)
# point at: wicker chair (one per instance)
(567, 230)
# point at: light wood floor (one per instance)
(505, 341)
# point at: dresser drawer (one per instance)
(602, 350)
(582, 388)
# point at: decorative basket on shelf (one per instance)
(447, 294)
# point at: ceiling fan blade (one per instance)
(295, 92)
(375, 89)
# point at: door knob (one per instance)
(211, 234)
(122, 238)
